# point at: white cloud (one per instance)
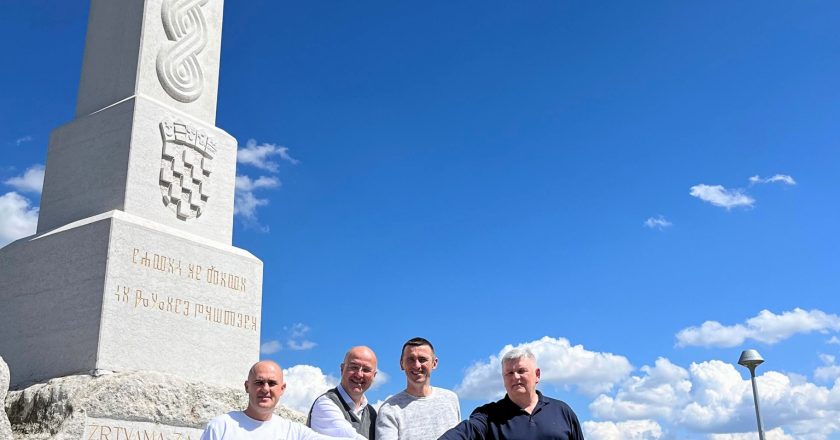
(773, 434)
(300, 345)
(271, 347)
(23, 139)
(830, 371)
(381, 379)
(304, 383)
(245, 202)
(628, 430)
(298, 330)
(766, 327)
(259, 155)
(833, 340)
(712, 397)
(297, 337)
(719, 196)
(659, 222)
(561, 364)
(663, 387)
(32, 180)
(18, 218)
(784, 178)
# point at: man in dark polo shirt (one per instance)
(344, 411)
(524, 413)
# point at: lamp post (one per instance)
(751, 359)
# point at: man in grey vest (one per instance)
(343, 411)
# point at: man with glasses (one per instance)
(264, 387)
(344, 411)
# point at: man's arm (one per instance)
(328, 419)
(577, 433)
(474, 428)
(387, 425)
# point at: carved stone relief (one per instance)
(178, 68)
(186, 165)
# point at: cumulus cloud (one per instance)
(245, 201)
(261, 155)
(31, 181)
(783, 178)
(18, 218)
(830, 371)
(766, 327)
(300, 345)
(773, 434)
(23, 139)
(719, 196)
(834, 340)
(381, 379)
(659, 222)
(304, 383)
(271, 347)
(628, 430)
(561, 364)
(297, 337)
(713, 398)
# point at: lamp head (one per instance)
(750, 359)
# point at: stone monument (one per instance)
(131, 268)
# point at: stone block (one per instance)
(117, 292)
(147, 160)
(154, 49)
(123, 406)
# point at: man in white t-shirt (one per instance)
(421, 411)
(264, 387)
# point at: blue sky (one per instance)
(638, 191)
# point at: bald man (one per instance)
(343, 411)
(264, 386)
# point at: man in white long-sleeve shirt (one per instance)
(421, 411)
(343, 411)
(264, 386)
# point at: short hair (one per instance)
(516, 354)
(416, 342)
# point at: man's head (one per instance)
(358, 371)
(264, 386)
(418, 360)
(521, 375)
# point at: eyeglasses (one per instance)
(356, 368)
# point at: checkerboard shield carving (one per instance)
(186, 166)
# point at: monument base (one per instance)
(116, 292)
(123, 406)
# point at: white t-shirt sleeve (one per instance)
(328, 419)
(214, 430)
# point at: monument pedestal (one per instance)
(140, 405)
(116, 292)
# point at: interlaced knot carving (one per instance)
(178, 69)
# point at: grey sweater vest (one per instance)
(365, 426)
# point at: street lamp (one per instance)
(751, 359)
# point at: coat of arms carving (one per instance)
(186, 165)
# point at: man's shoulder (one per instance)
(443, 393)
(396, 399)
(561, 405)
(225, 418)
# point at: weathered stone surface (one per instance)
(64, 407)
(5, 427)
